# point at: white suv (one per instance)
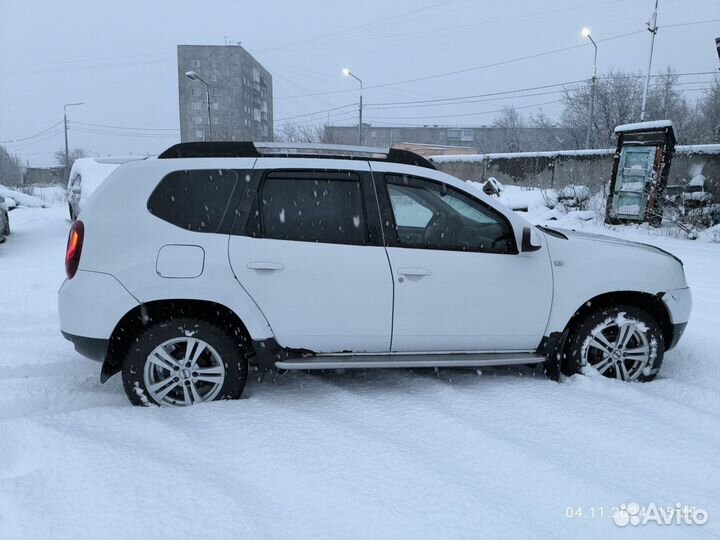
(185, 269)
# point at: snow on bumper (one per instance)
(679, 303)
(91, 304)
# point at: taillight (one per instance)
(74, 248)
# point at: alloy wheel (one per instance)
(183, 371)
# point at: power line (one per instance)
(353, 28)
(692, 23)
(121, 127)
(434, 31)
(477, 98)
(316, 113)
(43, 138)
(99, 131)
(467, 70)
(85, 60)
(38, 134)
(473, 113)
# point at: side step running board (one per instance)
(409, 361)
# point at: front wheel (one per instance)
(620, 342)
(182, 362)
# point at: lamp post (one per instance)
(193, 76)
(586, 33)
(652, 28)
(349, 73)
(67, 156)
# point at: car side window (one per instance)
(196, 200)
(325, 207)
(433, 215)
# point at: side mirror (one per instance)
(530, 239)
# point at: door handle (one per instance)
(414, 271)
(265, 265)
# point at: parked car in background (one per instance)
(4, 218)
(225, 255)
(86, 175)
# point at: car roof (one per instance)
(237, 149)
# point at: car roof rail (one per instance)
(238, 149)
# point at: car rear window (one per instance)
(196, 200)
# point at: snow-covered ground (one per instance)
(384, 454)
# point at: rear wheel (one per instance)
(620, 342)
(182, 362)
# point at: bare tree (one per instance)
(666, 102)
(704, 123)
(299, 133)
(547, 134)
(75, 153)
(618, 98)
(10, 168)
(512, 123)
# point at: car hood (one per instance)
(573, 235)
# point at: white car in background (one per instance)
(184, 270)
(86, 175)
(4, 218)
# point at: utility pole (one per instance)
(652, 28)
(67, 155)
(586, 33)
(360, 124)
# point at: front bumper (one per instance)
(678, 303)
(678, 330)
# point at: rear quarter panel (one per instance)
(123, 238)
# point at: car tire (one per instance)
(184, 361)
(6, 227)
(621, 342)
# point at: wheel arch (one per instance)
(142, 315)
(652, 303)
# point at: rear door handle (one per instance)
(265, 265)
(414, 271)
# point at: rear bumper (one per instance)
(92, 303)
(92, 348)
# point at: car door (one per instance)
(311, 256)
(460, 282)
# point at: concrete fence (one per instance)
(591, 168)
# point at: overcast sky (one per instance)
(119, 57)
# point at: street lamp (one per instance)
(586, 33)
(349, 73)
(67, 157)
(193, 76)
